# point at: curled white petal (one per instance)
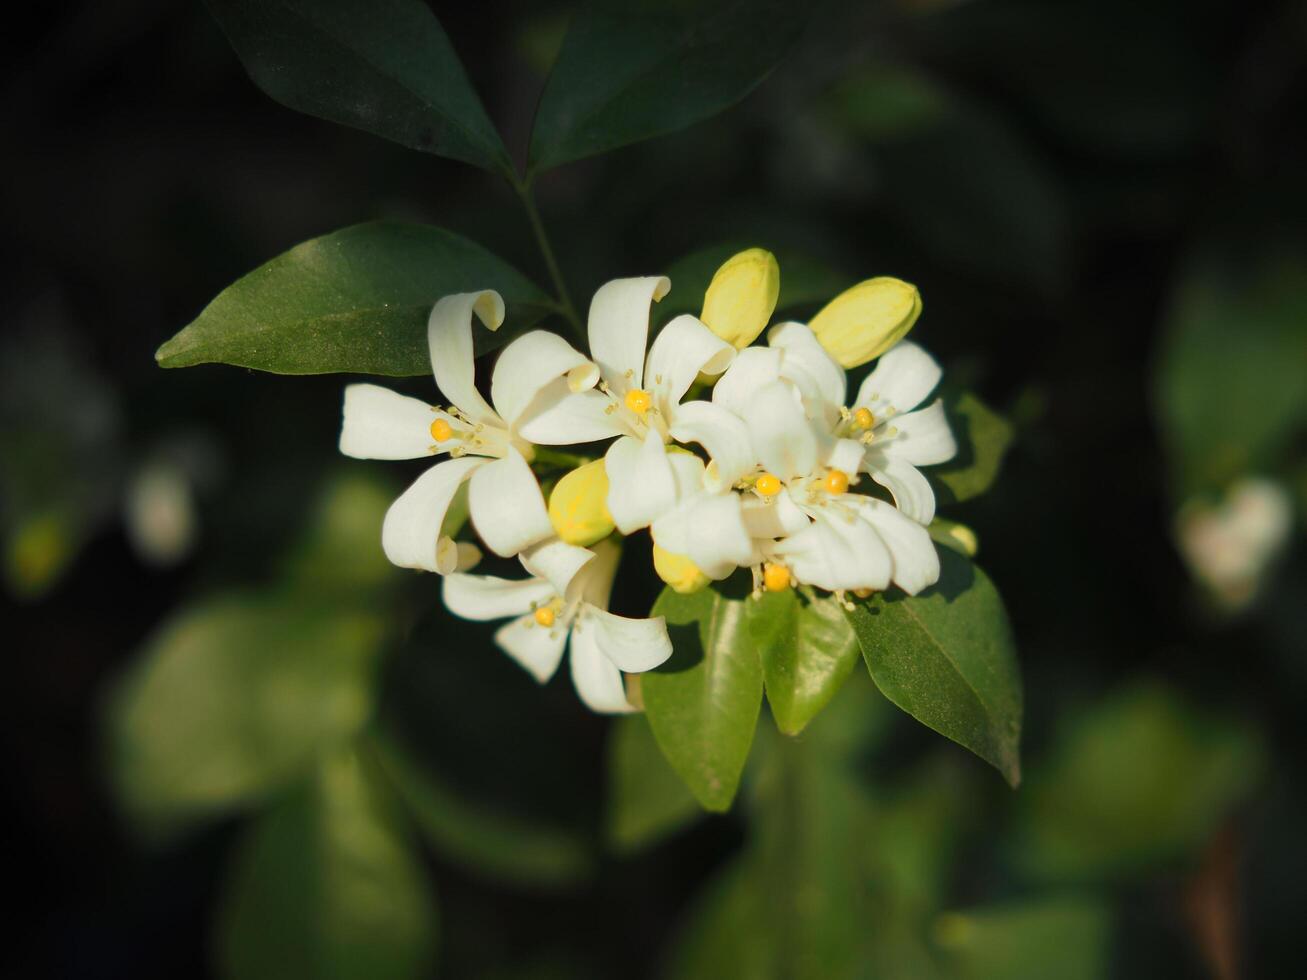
(485, 597)
(753, 368)
(598, 681)
(618, 328)
(709, 529)
(410, 534)
(530, 363)
(780, 433)
(846, 455)
(776, 517)
(559, 416)
(641, 487)
(837, 552)
(537, 648)
(449, 338)
(556, 561)
(633, 645)
(916, 562)
(723, 435)
(903, 377)
(683, 350)
(912, 492)
(922, 437)
(806, 362)
(506, 505)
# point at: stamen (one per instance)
(864, 418)
(441, 430)
(863, 593)
(544, 616)
(836, 482)
(639, 401)
(776, 577)
(767, 485)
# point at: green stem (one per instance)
(554, 457)
(523, 188)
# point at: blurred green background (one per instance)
(239, 744)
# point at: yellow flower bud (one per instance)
(742, 296)
(578, 507)
(866, 320)
(678, 571)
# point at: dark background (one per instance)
(1088, 151)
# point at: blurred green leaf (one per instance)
(983, 438)
(703, 703)
(1023, 941)
(328, 886)
(1138, 779)
(485, 840)
(1232, 375)
(646, 799)
(354, 301)
(340, 552)
(882, 102)
(631, 71)
(386, 67)
(946, 657)
(807, 649)
(234, 698)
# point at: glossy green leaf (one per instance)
(386, 67)
(807, 649)
(235, 698)
(946, 657)
(1021, 941)
(983, 438)
(328, 886)
(1138, 780)
(485, 840)
(647, 801)
(354, 301)
(631, 71)
(703, 703)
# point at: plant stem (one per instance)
(523, 188)
(553, 457)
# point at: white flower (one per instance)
(566, 599)
(487, 445)
(639, 398)
(1230, 547)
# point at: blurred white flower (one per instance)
(1229, 547)
(159, 513)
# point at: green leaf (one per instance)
(339, 553)
(647, 801)
(983, 439)
(946, 657)
(807, 649)
(482, 839)
(328, 886)
(354, 301)
(234, 698)
(386, 67)
(1138, 780)
(631, 71)
(1019, 941)
(703, 703)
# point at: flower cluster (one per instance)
(732, 455)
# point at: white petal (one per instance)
(821, 379)
(837, 552)
(483, 597)
(922, 437)
(594, 582)
(723, 435)
(633, 645)
(904, 376)
(753, 368)
(535, 647)
(774, 517)
(410, 534)
(708, 529)
(619, 328)
(507, 507)
(449, 337)
(378, 423)
(559, 416)
(916, 562)
(780, 433)
(912, 492)
(597, 679)
(556, 561)
(641, 487)
(680, 353)
(846, 455)
(531, 362)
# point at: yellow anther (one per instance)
(441, 430)
(837, 481)
(862, 593)
(767, 485)
(545, 616)
(776, 578)
(863, 418)
(639, 401)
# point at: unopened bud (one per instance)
(742, 296)
(866, 320)
(578, 508)
(678, 571)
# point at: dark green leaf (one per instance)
(1020, 941)
(235, 698)
(386, 67)
(983, 439)
(646, 799)
(946, 657)
(631, 71)
(807, 649)
(484, 840)
(1140, 779)
(703, 703)
(328, 886)
(354, 301)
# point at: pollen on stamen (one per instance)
(768, 485)
(441, 430)
(864, 418)
(544, 616)
(776, 577)
(836, 482)
(639, 401)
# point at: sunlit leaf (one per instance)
(328, 886)
(983, 438)
(354, 301)
(946, 657)
(703, 703)
(386, 66)
(631, 71)
(807, 649)
(646, 799)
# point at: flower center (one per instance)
(441, 430)
(836, 482)
(863, 418)
(776, 578)
(639, 401)
(768, 485)
(545, 616)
